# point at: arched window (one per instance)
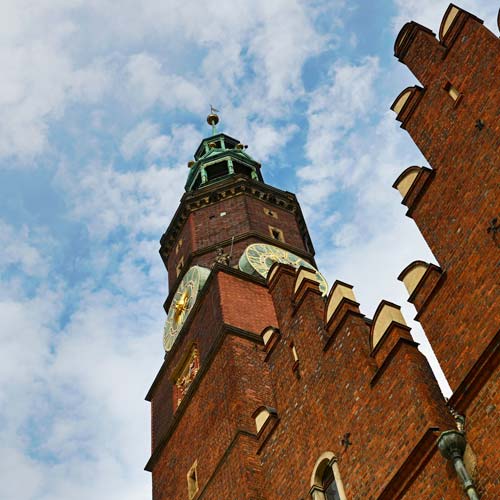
(329, 485)
(326, 483)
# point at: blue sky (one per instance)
(102, 104)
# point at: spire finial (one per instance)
(213, 119)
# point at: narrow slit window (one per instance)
(179, 266)
(271, 213)
(192, 480)
(295, 366)
(178, 246)
(276, 233)
(452, 91)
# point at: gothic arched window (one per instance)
(326, 483)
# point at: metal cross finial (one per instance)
(345, 441)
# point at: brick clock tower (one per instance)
(274, 385)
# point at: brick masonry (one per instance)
(384, 398)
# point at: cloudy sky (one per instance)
(102, 103)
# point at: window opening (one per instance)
(192, 480)
(329, 484)
(217, 170)
(276, 233)
(326, 483)
(239, 168)
(178, 246)
(452, 91)
(295, 366)
(179, 266)
(271, 213)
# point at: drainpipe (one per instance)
(452, 445)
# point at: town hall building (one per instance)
(274, 384)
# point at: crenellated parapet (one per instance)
(450, 69)
(328, 359)
(453, 23)
(387, 317)
(412, 184)
(454, 122)
(422, 280)
(299, 305)
(406, 103)
(417, 47)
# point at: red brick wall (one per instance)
(483, 417)
(206, 227)
(206, 433)
(182, 251)
(338, 392)
(455, 210)
(223, 303)
(232, 385)
(203, 331)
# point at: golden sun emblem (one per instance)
(181, 305)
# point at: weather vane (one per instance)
(213, 119)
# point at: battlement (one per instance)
(452, 24)
(418, 48)
(326, 350)
(296, 293)
(407, 35)
(406, 103)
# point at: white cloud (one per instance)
(79, 52)
(77, 401)
(148, 83)
(73, 425)
(106, 199)
(138, 138)
(39, 77)
(146, 138)
(15, 249)
(282, 45)
(348, 99)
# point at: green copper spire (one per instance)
(219, 157)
